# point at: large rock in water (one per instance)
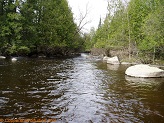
(142, 70)
(113, 60)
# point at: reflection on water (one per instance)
(149, 83)
(113, 67)
(76, 90)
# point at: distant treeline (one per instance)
(30, 27)
(137, 26)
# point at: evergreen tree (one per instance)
(11, 26)
(136, 26)
(37, 26)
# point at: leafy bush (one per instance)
(23, 50)
(10, 50)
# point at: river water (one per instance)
(78, 90)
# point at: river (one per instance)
(78, 90)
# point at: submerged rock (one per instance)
(128, 63)
(113, 60)
(143, 70)
(113, 67)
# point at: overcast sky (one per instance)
(96, 9)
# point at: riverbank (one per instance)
(124, 57)
(41, 55)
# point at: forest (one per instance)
(135, 28)
(31, 27)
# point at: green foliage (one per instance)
(11, 50)
(112, 32)
(153, 29)
(137, 26)
(23, 50)
(30, 24)
(11, 27)
(88, 39)
(61, 29)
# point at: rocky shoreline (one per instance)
(137, 69)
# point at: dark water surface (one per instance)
(78, 90)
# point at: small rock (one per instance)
(85, 55)
(113, 60)
(105, 58)
(2, 57)
(41, 56)
(13, 59)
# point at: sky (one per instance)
(95, 9)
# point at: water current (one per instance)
(78, 90)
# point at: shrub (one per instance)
(23, 50)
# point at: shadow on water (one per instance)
(81, 89)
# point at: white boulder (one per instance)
(143, 70)
(13, 59)
(113, 60)
(85, 55)
(2, 57)
(105, 58)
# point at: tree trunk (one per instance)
(129, 37)
(154, 55)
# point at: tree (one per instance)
(112, 30)
(11, 26)
(152, 28)
(88, 38)
(99, 23)
(45, 26)
(136, 26)
(56, 27)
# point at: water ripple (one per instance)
(79, 89)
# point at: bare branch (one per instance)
(82, 18)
